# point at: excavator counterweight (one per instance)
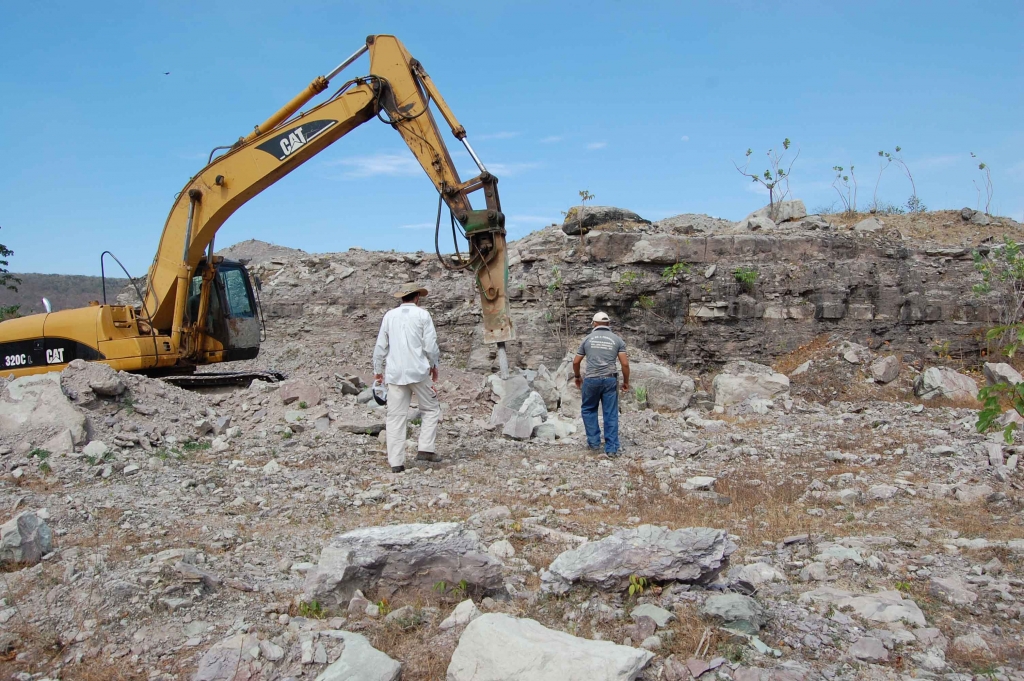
(200, 309)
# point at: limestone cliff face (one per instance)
(730, 295)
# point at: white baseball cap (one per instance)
(601, 317)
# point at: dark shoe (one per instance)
(398, 469)
(428, 456)
(612, 455)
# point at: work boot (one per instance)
(398, 469)
(428, 456)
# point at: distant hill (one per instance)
(64, 291)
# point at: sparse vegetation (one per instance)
(303, 405)
(746, 276)
(640, 393)
(313, 610)
(775, 178)
(628, 279)
(673, 272)
(841, 184)
(637, 585)
(986, 179)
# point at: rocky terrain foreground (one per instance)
(801, 496)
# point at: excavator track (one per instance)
(215, 379)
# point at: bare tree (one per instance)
(776, 178)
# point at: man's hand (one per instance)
(579, 383)
(625, 386)
(433, 374)
(378, 378)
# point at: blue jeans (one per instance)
(603, 391)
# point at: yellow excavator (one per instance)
(199, 308)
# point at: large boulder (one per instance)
(360, 661)
(596, 216)
(498, 647)
(394, 557)
(25, 538)
(299, 391)
(782, 211)
(693, 554)
(1000, 372)
(666, 390)
(86, 383)
(885, 369)
(742, 380)
(33, 404)
(941, 382)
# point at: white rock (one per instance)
(360, 661)
(941, 382)
(1000, 372)
(699, 482)
(741, 380)
(885, 369)
(869, 226)
(497, 647)
(502, 549)
(883, 606)
(464, 613)
(272, 467)
(96, 448)
(34, 403)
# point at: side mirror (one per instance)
(259, 284)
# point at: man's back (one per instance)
(408, 341)
(601, 348)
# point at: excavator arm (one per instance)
(398, 91)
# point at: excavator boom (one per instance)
(198, 308)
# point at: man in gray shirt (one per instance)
(601, 349)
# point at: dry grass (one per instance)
(973, 520)
(765, 512)
(100, 669)
(424, 654)
(818, 348)
(943, 227)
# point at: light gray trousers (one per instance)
(399, 397)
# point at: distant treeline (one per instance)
(63, 290)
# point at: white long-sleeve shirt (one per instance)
(406, 345)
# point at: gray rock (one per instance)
(229, 659)
(885, 369)
(401, 556)
(980, 219)
(360, 661)
(520, 427)
(736, 611)
(361, 427)
(60, 444)
(741, 380)
(869, 226)
(84, 381)
(666, 390)
(941, 382)
(755, 224)
(883, 606)
(596, 216)
(694, 554)
(661, 616)
(784, 211)
(971, 644)
(1000, 372)
(816, 572)
(299, 390)
(497, 647)
(951, 589)
(533, 406)
(25, 538)
(869, 649)
(37, 403)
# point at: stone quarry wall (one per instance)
(872, 288)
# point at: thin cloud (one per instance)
(393, 165)
(686, 138)
(510, 169)
(597, 145)
(418, 225)
(503, 135)
(550, 139)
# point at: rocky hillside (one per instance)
(63, 290)
(831, 515)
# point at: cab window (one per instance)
(236, 292)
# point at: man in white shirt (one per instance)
(407, 347)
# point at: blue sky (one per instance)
(646, 105)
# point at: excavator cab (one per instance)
(232, 326)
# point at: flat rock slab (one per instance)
(736, 611)
(362, 428)
(661, 616)
(401, 556)
(230, 659)
(360, 661)
(497, 647)
(884, 606)
(693, 554)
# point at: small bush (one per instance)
(746, 275)
(313, 610)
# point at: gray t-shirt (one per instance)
(601, 348)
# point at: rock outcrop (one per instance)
(694, 554)
(398, 557)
